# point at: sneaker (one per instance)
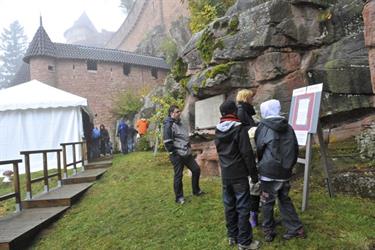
(269, 237)
(200, 193)
(299, 234)
(232, 241)
(253, 245)
(253, 219)
(180, 201)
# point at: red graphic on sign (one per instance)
(302, 115)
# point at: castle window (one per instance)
(126, 69)
(154, 73)
(92, 65)
(51, 68)
(74, 67)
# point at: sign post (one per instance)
(304, 118)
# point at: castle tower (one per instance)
(82, 32)
(41, 55)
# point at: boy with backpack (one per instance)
(237, 163)
(277, 151)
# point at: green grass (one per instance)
(132, 207)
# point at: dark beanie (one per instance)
(228, 107)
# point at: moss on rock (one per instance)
(207, 44)
(233, 25)
(179, 69)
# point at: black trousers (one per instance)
(178, 164)
(272, 190)
(236, 198)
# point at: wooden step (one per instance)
(102, 158)
(98, 164)
(65, 195)
(17, 230)
(88, 175)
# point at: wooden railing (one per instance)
(74, 162)
(45, 176)
(16, 183)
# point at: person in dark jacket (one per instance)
(122, 132)
(245, 112)
(104, 140)
(237, 163)
(277, 151)
(176, 142)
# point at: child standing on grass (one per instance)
(277, 151)
(237, 162)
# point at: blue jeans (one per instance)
(236, 197)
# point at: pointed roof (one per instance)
(41, 45)
(82, 22)
(36, 95)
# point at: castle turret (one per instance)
(41, 55)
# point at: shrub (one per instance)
(127, 103)
(205, 11)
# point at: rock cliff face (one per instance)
(276, 46)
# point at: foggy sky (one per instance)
(59, 15)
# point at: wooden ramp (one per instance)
(17, 229)
(98, 164)
(88, 175)
(65, 195)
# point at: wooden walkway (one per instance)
(88, 175)
(16, 230)
(65, 195)
(98, 164)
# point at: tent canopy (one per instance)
(36, 116)
(35, 95)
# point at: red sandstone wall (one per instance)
(39, 70)
(155, 13)
(369, 32)
(100, 87)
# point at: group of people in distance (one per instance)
(127, 134)
(100, 139)
(249, 177)
(101, 144)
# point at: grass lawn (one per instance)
(132, 207)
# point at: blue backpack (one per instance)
(95, 133)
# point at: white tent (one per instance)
(36, 116)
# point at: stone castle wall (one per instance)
(143, 18)
(100, 87)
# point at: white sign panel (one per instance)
(207, 112)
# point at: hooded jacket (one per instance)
(245, 112)
(176, 137)
(277, 148)
(235, 154)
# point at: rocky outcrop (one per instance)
(276, 46)
(360, 182)
(151, 45)
(285, 44)
(180, 33)
(369, 33)
(366, 140)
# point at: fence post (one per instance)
(74, 160)
(45, 172)
(16, 183)
(28, 177)
(58, 169)
(83, 155)
(64, 162)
